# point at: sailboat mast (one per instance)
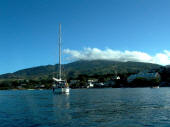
(60, 51)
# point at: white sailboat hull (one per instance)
(66, 90)
(62, 90)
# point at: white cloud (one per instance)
(162, 58)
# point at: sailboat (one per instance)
(60, 86)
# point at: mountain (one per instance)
(93, 67)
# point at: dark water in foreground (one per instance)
(128, 107)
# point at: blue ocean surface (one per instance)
(111, 107)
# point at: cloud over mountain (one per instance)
(162, 58)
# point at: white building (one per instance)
(91, 83)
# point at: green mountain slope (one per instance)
(95, 67)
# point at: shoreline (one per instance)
(93, 88)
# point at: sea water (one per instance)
(111, 107)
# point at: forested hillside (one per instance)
(95, 67)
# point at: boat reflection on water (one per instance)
(61, 107)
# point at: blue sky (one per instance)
(29, 31)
